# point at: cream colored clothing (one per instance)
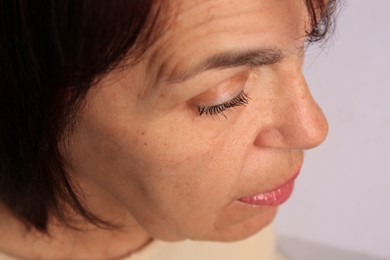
(258, 247)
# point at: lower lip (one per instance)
(273, 197)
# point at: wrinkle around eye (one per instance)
(204, 82)
(223, 92)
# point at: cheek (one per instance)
(181, 148)
(182, 165)
(178, 175)
(168, 175)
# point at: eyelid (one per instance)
(227, 95)
(224, 91)
(241, 99)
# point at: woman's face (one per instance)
(216, 111)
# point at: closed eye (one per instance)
(241, 99)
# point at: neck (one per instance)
(67, 243)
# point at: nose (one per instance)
(297, 121)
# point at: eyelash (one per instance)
(241, 99)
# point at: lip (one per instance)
(274, 197)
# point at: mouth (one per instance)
(274, 197)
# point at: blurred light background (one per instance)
(342, 197)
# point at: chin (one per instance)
(244, 229)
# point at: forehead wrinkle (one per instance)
(153, 55)
(160, 63)
(212, 17)
(159, 59)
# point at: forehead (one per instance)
(201, 28)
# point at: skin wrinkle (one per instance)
(228, 59)
(163, 70)
(186, 182)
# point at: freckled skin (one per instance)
(178, 174)
(145, 159)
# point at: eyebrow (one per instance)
(250, 58)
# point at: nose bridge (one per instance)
(299, 122)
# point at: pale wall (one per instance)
(342, 197)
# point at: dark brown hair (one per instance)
(51, 53)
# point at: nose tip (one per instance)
(298, 124)
(299, 132)
(308, 129)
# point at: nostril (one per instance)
(302, 129)
(271, 137)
